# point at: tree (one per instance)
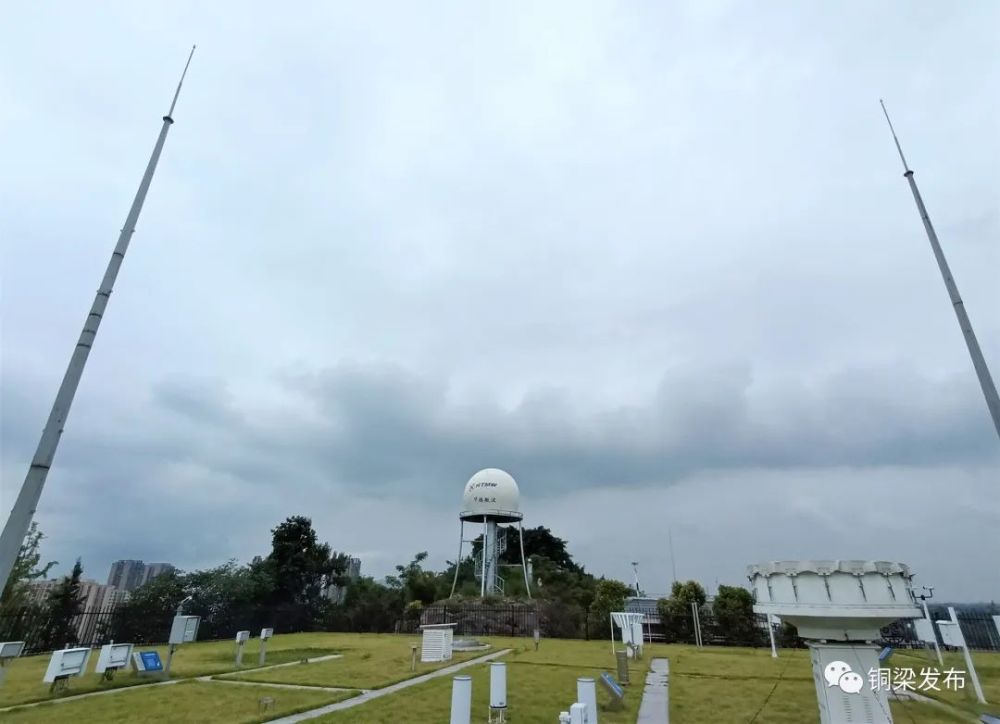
(675, 612)
(299, 564)
(26, 570)
(415, 583)
(539, 542)
(734, 616)
(609, 596)
(64, 604)
(372, 607)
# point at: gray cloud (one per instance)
(656, 258)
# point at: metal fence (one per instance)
(42, 631)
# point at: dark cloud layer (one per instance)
(660, 264)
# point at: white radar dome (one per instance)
(492, 494)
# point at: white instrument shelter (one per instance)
(631, 628)
(437, 641)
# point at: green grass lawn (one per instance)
(539, 686)
(709, 685)
(370, 661)
(187, 701)
(23, 682)
(987, 666)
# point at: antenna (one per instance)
(978, 361)
(181, 81)
(31, 490)
(635, 570)
(673, 565)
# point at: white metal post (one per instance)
(586, 693)
(978, 361)
(937, 649)
(458, 561)
(770, 631)
(26, 503)
(482, 587)
(524, 563)
(968, 658)
(461, 700)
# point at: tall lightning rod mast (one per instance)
(982, 371)
(21, 514)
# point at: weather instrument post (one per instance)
(265, 634)
(31, 490)
(183, 630)
(241, 639)
(978, 361)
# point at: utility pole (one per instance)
(31, 490)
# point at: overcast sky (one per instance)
(658, 261)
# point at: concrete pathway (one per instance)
(273, 685)
(138, 687)
(655, 706)
(377, 693)
(255, 669)
(76, 697)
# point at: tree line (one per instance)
(291, 589)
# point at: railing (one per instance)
(42, 631)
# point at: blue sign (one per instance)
(885, 653)
(151, 661)
(612, 685)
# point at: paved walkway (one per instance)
(376, 693)
(255, 669)
(273, 685)
(103, 692)
(137, 687)
(655, 706)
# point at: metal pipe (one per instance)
(524, 563)
(26, 503)
(978, 361)
(458, 561)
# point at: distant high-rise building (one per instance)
(354, 568)
(156, 569)
(96, 601)
(337, 593)
(129, 575)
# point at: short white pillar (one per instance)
(461, 700)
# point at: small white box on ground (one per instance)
(437, 642)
